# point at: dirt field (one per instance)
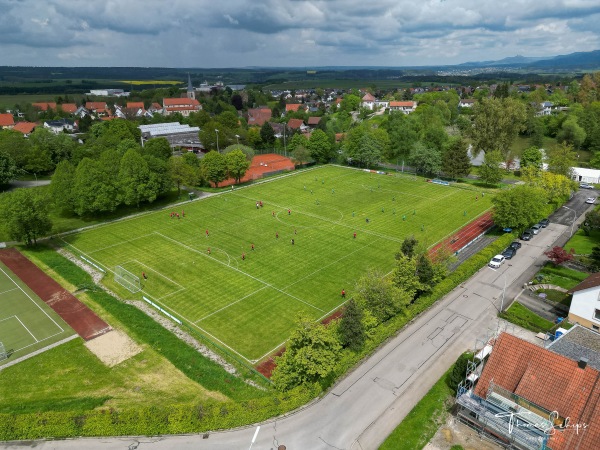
(454, 432)
(113, 347)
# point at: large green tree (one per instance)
(319, 146)
(25, 213)
(562, 160)
(352, 329)
(214, 167)
(490, 171)
(85, 186)
(496, 123)
(61, 186)
(455, 159)
(134, 179)
(426, 160)
(520, 206)
(532, 157)
(182, 173)
(378, 295)
(8, 168)
(158, 147)
(237, 164)
(310, 356)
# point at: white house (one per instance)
(585, 305)
(466, 103)
(544, 109)
(368, 101)
(405, 107)
(584, 175)
(60, 126)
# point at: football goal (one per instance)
(127, 279)
(3, 354)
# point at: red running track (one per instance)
(465, 235)
(79, 317)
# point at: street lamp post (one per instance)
(503, 289)
(574, 217)
(217, 131)
(237, 136)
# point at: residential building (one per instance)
(466, 103)
(98, 108)
(404, 107)
(44, 106)
(368, 101)
(313, 121)
(60, 126)
(25, 127)
(577, 342)
(108, 92)
(585, 175)
(183, 105)
(7, 121)
(292, 107)
(296, 124)
(531, 398)
(69, 108)
(258, 116)
(544, 109)
(585, 305)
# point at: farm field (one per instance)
(27, 324)
(194, 263)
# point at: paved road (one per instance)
(363, 408)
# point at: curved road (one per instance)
(362, 409)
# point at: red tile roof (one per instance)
(294, 124)
(368, 98)
(44, 106)
(592, 281)
(69, 107)
(184, 101)
(258, 116)
(292, 107)
(135, 105)
(402, 104)
(25, 127)
(314, 120)
(6, 120)
(551, 381)
(96, 106)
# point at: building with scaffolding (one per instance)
(527, 397)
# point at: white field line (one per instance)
(37, 352)
(78, 250)
(238, 270)
(120, 243)
(216, 339)
(231, 304)
(159, 274)
(8, 317)
(328, 265)
(23, 325)
(172, 293)
(32, 300)
(10, 290)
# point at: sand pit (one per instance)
(113, 347)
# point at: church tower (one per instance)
(190, 89)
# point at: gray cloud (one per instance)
(205, 33)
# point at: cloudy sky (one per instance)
(238, 33)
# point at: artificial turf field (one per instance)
(27, 324)
(250, 305)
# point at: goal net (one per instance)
(3, 354)
(127, 279)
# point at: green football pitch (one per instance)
(27, 324)
(202, 268)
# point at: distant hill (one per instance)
(579, 60)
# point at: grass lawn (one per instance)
(556, 296)
(520, 315)
(27, 324)
(250, 305)
(582, 243)
(423, 421)
(560, 276)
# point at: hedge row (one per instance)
(170, 419)
(388, 329)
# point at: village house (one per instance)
(185, 106)
(7, 121)
(25, 127)
(404, 107)
(585, 305)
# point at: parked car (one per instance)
(509, 253)
(536, 228)
(544, 223)
(591, 200)
(496, 261)
(585, 186)
(526, 235)
(516, 245)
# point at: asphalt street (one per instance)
(360, 411)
